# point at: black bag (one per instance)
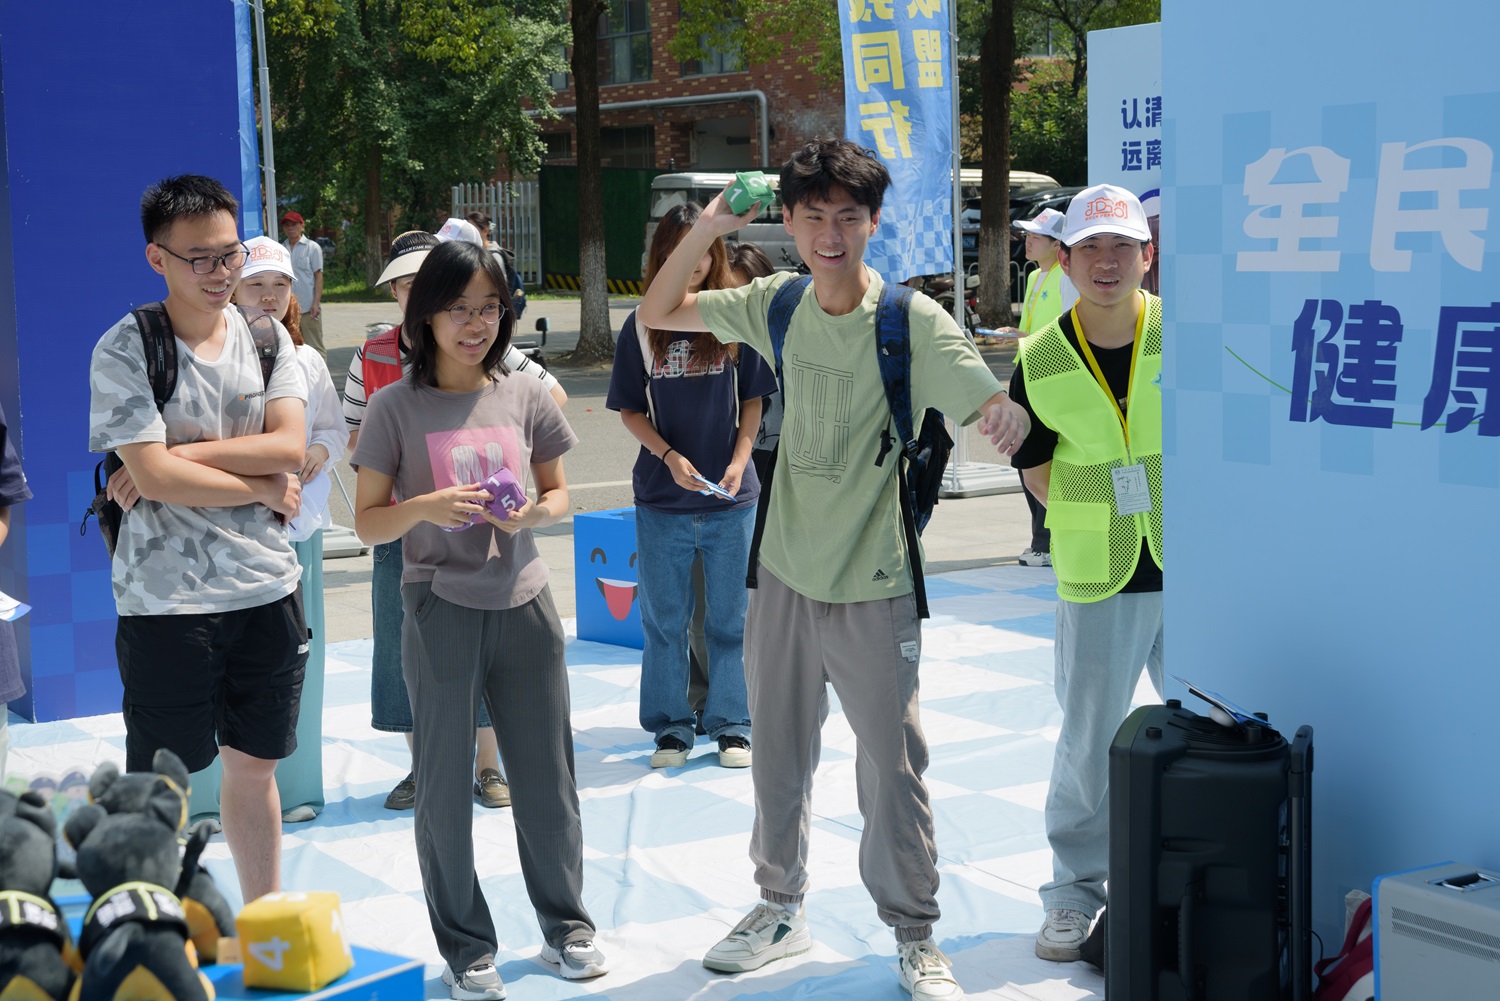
(160, 348)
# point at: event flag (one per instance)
(898, 100)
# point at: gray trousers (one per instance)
(1101, 647)
(869, 651)
(452, 657)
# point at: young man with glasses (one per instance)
(211, 641)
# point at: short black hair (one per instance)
(441, 279)
(822, 164)
(186, 196)
(751, 259)
(480, 220)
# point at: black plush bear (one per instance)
(209, 915)
(33, 934)
(135, 937)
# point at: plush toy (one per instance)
(209, 915)
(135, 937)
(33, 934)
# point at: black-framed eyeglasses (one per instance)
(233, 261)
(490, 313)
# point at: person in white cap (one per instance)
(266, 288)
(1094, 459)
(1049, 294)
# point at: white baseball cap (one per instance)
(1047, 222)
(408, 251)
(265, 254)
(460, 229)
(1105, 208)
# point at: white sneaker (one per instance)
(926, 972)
(479, 983)
(1032, 558)
(576, 960)
(768, 933)
(1062, 935)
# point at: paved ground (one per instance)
(964, 532)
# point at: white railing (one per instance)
(515, 212)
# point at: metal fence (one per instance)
(515, 214)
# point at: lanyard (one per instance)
(1030, 304)
(1088, 355)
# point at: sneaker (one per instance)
(1032, 558)
(479, 983)
(576, 960)
(491, 788)
(734, 752)
(404, 796)
(768, 933)
(926, 972)
(1062, 935)
(670, 753)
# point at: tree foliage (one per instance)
(762, 30)
(1049, 127)
(1076, 18)
(380, 106)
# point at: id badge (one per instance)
(1132, 489)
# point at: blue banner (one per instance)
(898, 101)
(244, 65)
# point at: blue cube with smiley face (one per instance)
(605, 583)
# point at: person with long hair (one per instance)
(694, 405)
(480, 623)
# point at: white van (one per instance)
(669, 190)
(767, 231)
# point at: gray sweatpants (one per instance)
(869, 651)
(452, 657)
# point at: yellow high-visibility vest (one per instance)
(1094, 549)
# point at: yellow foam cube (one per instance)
(293, 941)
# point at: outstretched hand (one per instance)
(1006, 423)
(721, 219)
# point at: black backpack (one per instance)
(160, 347)
(923, 456)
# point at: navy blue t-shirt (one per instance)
(694, 409)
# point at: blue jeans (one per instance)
(390, 708)
(666, 545)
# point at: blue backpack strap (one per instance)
(893, 350)
(778, 318)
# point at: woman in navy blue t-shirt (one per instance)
(694, 405)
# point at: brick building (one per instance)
(657, 112)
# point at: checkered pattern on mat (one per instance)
(666, 870)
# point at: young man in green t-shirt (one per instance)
(834, 602)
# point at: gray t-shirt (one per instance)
(178, 560)
(426, 439)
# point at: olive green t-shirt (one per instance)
(834, 532)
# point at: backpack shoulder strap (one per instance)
(160, 347)
(648, 361)
(893, 351)
(778, 318)
(263, 331)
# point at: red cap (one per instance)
(290, 216)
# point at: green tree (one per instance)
(761, 30)
(1049, 125)
(380, 106)
(1076, 18)
(595, 338)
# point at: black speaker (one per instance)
(1209, 860)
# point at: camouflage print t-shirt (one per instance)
(177, 560)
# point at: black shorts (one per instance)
(193, 682)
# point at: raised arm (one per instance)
(667, 304)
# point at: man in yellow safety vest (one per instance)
(1090, 380)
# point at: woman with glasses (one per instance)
(480, 623)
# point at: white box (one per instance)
(1437, 934)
